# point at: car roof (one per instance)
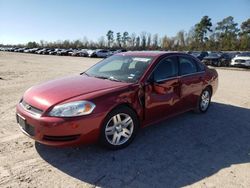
(150, 53)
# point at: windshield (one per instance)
(120, 68)
(246, 54)
(214, 55)
(196, 54)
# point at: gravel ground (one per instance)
(210, 150)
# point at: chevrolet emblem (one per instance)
(28, 107)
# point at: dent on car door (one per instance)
(162, 93)
(191, 82)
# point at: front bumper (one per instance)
(240, 64)
(210, 62)
(56, 131)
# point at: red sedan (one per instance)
(114, 98)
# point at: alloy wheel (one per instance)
(119, 129)
(205, 100)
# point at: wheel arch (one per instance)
(210, 88)
(128, 105)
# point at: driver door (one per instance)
(162, 93)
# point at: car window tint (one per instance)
(166, 68)
(226, 56)
(187, 66)
(200, 66)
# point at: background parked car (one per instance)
(41, 51)
(64, 52)
(27, 50)
(21, 49)
(241, 60)
(72, 52)
(100, 53)
(12, 49)
(217, 59)
(33, 50)
(54, 52)
(47, 51)
(80, 53)
(112, 52)
(233, 54)
(198, 54)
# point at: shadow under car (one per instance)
(177, 152)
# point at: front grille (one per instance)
(61, 138)
(208, 61)
(29, 129)
(240, 61)
(30, 108)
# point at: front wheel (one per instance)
(119, 128)
(204, 101)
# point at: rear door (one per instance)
(162, 95)
(191, 81)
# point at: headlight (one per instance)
(72, 109)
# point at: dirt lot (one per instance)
(210, 150)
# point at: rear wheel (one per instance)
(204, 101)
(119, 128)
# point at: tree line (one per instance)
(225, 35)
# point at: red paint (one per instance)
(163, 100)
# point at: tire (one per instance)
(115, 135)
(204, 101)
(218, 64)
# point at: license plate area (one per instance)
(21, 121)
(28, 129)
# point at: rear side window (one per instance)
(187, 66)
(200, 66)
(167, 68)
(226, 56)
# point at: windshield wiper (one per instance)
(101, 77)
(114, 79)
(84, 73)
(108, 78)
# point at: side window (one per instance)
(187, 66)
(225, 56)
(166, 68)
(201, 66)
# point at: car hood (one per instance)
(53, 92)
(242, 58)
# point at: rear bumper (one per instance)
(55, 131)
